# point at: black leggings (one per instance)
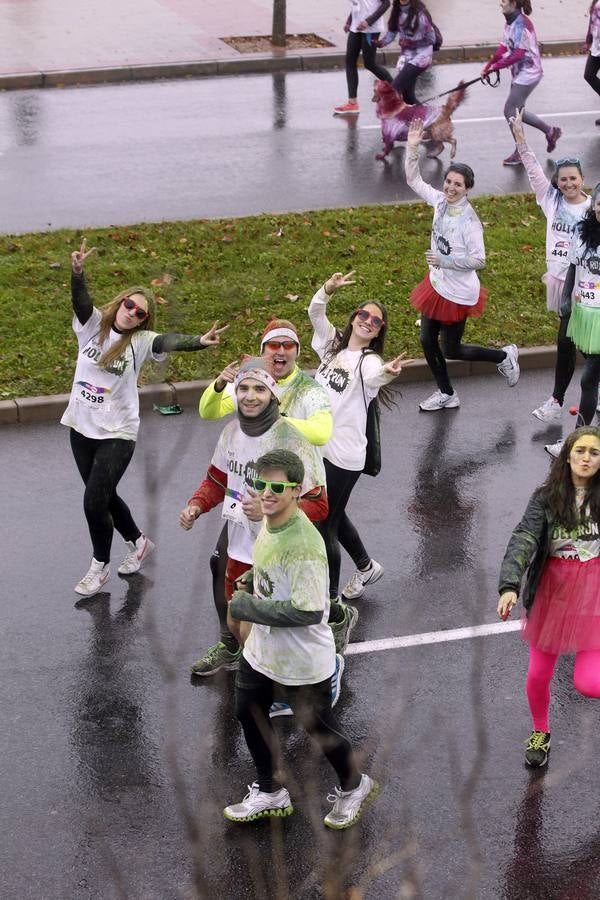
(337, 528)
(452, 349)
(591, 72)
(359, 42)
(405, 81)
(589, 389)
(311, 704)
(218, 564)
(565, 361)
(102, 464)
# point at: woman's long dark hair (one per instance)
(589, 227)
(525, 6)
(376, 345)
(558, 490)
(415, 7)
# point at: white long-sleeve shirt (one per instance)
(456, 236)
(341, 378)
(561, 217)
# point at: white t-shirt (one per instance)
(520, 35)
(456, 235)
(561, 217)
(290, 563)
(587, 274)
(361, 9)
(104, 403)
(236, 454)
(340, 377)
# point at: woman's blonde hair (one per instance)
(109, 314)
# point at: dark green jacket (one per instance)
(527, 551)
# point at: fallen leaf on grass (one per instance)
(54, 265)
(291, 297)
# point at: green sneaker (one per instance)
(341, 630)
(259, 805)
(216, 658)
(537, 748)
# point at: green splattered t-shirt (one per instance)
(290, 564)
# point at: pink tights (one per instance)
(586, 678)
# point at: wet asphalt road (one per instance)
(115, 768)
(238, 146)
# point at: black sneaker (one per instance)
(537, 749)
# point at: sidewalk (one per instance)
(46, 43)
(30, 410)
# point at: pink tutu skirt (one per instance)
(431, 304)
(565, 616)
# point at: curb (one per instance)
(251, 64)
(33, 410)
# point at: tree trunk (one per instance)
(278, 36)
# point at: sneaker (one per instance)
(549, 411)
(259, 804)
(346, 109)
(137, 553)
(361, 578)
(439, 400)
(513, 160)
(536, 748)
(554, 449)
(552, 138)
(348, 805)
(280, 709)
(341, 630)
(94, 579)
(216, 658)
(336, 679)
(509, 367)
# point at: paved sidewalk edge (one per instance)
(30, 410)
(250, 64)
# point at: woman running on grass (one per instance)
(564, 203)
(519, 50)
(557, 543)
(450, 293)
(103, 412)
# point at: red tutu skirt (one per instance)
(434, 306)
(565, 616)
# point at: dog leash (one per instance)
(485, 79)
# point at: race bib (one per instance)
(560, 252)
(588, 293)
(232, 508)
(92, 396)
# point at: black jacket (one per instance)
(527, 551)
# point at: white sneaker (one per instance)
(357, 584)
(279, 708)
(348, 805)
(336, 679)
(93, 581)
(439, 400)
(136, 555)
(258, 804)
(549, 411)
(554, 449)
(509, 367)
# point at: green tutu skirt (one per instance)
(584, 328)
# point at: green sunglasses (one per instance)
(277, 487)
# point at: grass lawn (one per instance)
(244, 271)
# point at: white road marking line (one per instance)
(432, 637)
(560, 115)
